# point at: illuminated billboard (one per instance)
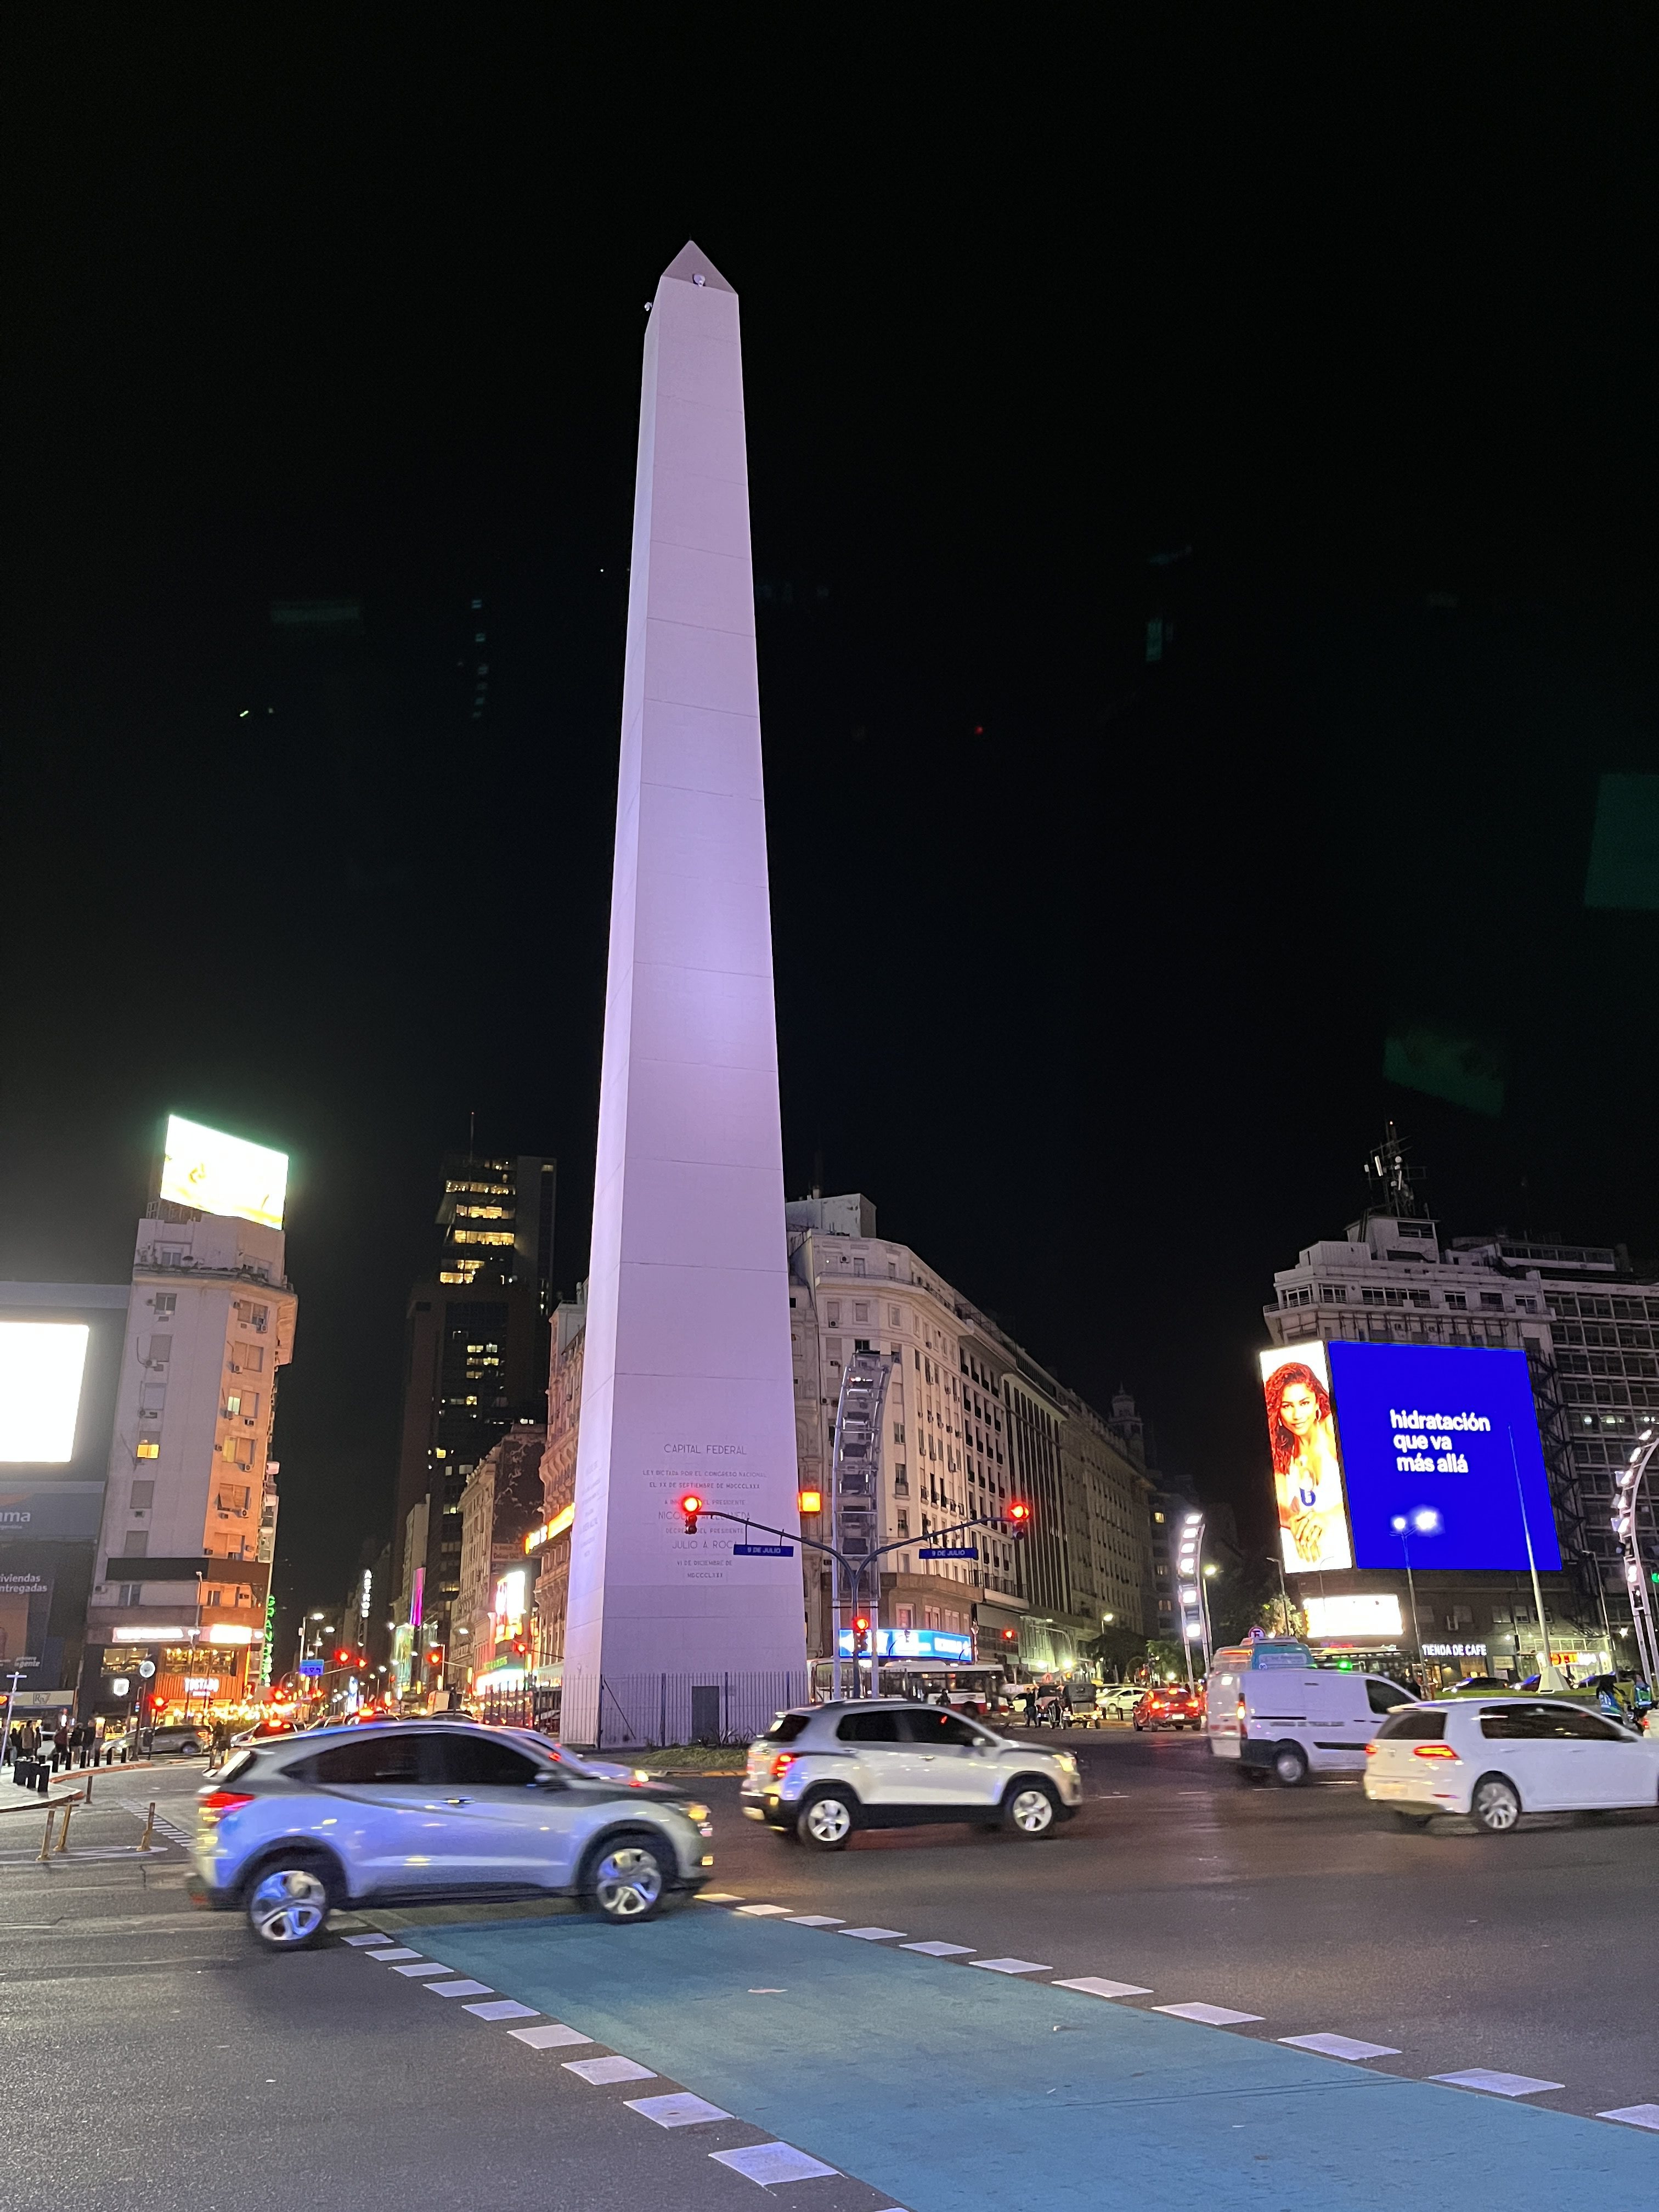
(1362, 1613)
(41, 1366)
(1390, 1454)
(1308, 1487)
(1444, 1439)
(218, 1173)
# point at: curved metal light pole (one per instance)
(1628, 1496)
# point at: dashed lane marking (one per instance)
(601, 2070)
(1340, 2046)
(1095, 1985)
(1208, 2015)
(501, 2008)
(769, 2163)
(555, 2036)
(682, 2110)
(718, 1897)
(389, 1958)
(424, 1966)
(1495, 2085)
(1011, 1965)
(362, 1943)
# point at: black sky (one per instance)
(306, 302)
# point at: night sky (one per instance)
(1085, 964)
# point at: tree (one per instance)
(1117, 1647)
(1163, 1657)
(1246, 1596)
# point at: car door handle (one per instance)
(928, 1757)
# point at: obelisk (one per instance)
(686, 1378)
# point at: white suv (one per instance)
(823, 1770)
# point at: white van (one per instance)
(1273, 1712)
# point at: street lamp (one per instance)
(1195, 1611)
(1427, 1523)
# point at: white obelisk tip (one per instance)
(691, 265)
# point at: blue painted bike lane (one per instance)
(960, 2091)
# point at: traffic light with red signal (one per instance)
(691, 1506)
(810, 1501)
(1019, 1518)
(860, 1635)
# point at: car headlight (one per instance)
(1067, 1760)
(697, 1813)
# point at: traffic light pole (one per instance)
(854, 1570)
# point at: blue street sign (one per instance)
(947, 1551)
(764, 1551)
(311, 1666)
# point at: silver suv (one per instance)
(299, 1825)
(822, 1771)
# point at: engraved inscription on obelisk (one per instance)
(686, 1371)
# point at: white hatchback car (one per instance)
(823, 1770)
(1494, 1758)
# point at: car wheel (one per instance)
(624, 1878)
(1496, 1805)
(289, 1904)
(1030, 1808)
(1290, 1766)
(826, 1820)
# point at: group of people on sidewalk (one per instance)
(77, 1743)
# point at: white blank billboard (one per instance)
(41, 1366)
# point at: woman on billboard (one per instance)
(1312, 1518)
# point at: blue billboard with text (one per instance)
(1441, 1459)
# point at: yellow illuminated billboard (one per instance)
(218, 1173)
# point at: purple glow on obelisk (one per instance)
(686, 1380)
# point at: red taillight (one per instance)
(1370, 1751)
(1430, 1751)
(782, 1764)
(221, 1801)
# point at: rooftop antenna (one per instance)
(472, 1132)
(1392, 1182)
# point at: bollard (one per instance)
(63, 1833)
(43, 1778)
(149, 1828)
(45, 1843)
(87, 1792)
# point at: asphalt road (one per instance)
(151, 2056)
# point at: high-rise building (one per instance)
(496, 1216)
(970, 1422)
(183, 1572)
(475, 1363)
(490, 1653)
(1589, 1329)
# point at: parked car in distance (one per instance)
(1118, 1700)
(297, 1826)
(822, 1771)
(187, 1739)
(1496, 1759)
(1176, 1707)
